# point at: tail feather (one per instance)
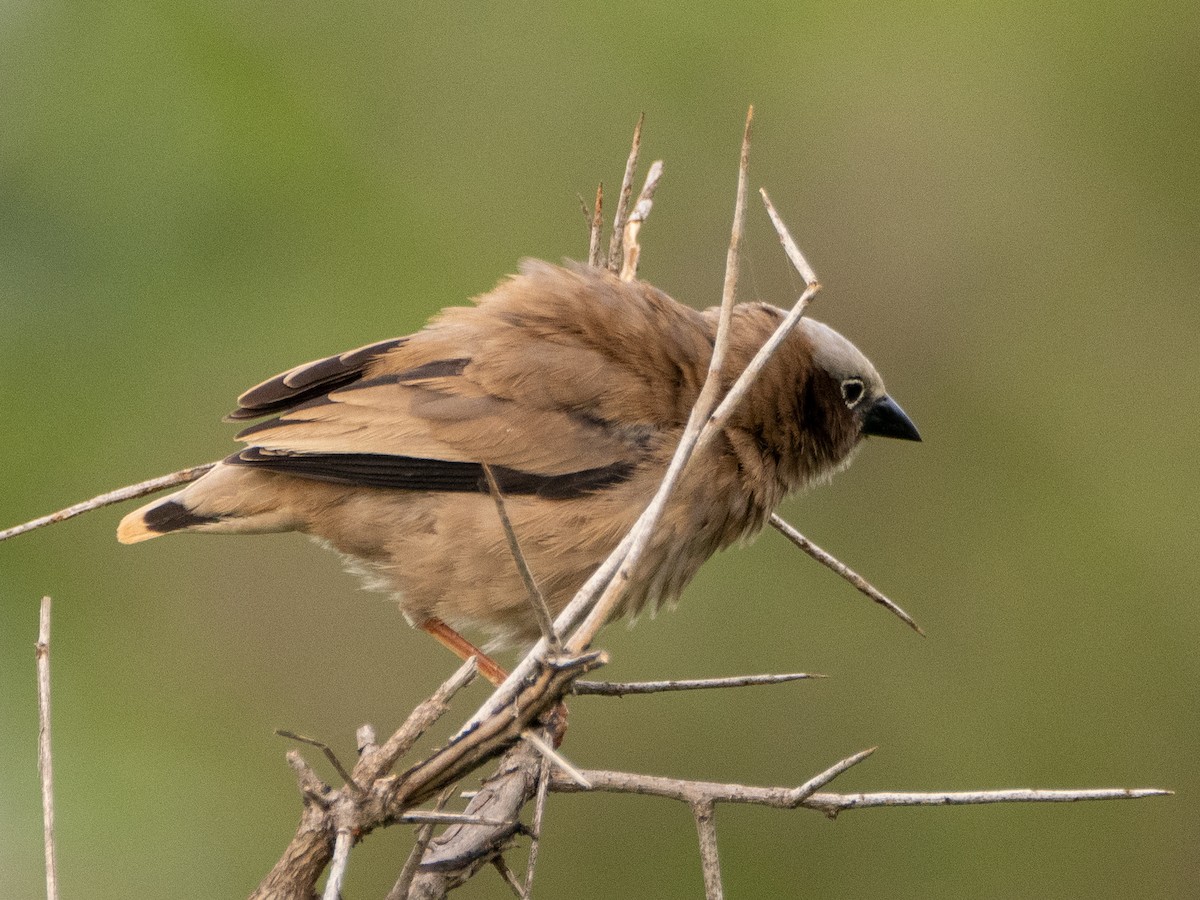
(159, 518)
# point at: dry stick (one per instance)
(830, 561)
(633, 225)
(373, 764)
(399, 890)
(597, 224)
(507, 874)
(337, 869)
(537, 600)
(615, 255)
(539, 811)
(130, 492)
(704, 811)
(831, 804)
(549, 753)
(45, 759)
(623, 688)
(329, 755)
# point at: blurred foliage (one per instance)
(1003, 201)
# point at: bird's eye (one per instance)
(852, 391)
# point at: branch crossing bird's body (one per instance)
(574, 387)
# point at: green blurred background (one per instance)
(1003, 201)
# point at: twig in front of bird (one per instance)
(625, 688)
(597, 223)
(615, 250)
(337, 868)
(836, 565)
(537, 600)
(45, 757)
(643, 531)
(129, 492)
(633, 225)
(329, 755)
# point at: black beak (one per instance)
(885, 418)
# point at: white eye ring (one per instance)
(853, 391)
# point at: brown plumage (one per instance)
(574, 387)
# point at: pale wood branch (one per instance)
(615, 250)
(827, 559)
(45, 757)
(537, 600)
(624, 688)
(704, 812)
(120, 495)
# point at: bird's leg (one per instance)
(464, 649)
(555, 719)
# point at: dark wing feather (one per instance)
(314, 379)
(412, 474)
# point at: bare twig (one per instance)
(129, 492)
(399, 890)
(597, 224)
(831, 804)
(818, 781)
(704, 812)
(437, 817)
(45, 758)
(543, 747)
(830, 561)
(535, 829)
(329, 755)
(622, 688)
(507, 874)
(337, 869)
(537, 601)
(643, 531)
(789, 246)
(615, 255)
(373, 765)
(633, 225)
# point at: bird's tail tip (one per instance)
(159, 518)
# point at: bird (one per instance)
(573, 387)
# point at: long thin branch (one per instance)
(537, 600)
(784, 798)
(45, 758)
(130, 492)
(827, 559)
(623, 688)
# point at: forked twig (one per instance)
(329, 755)
(633, 225)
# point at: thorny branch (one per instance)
(333, 820)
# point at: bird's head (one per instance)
(864, 401)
